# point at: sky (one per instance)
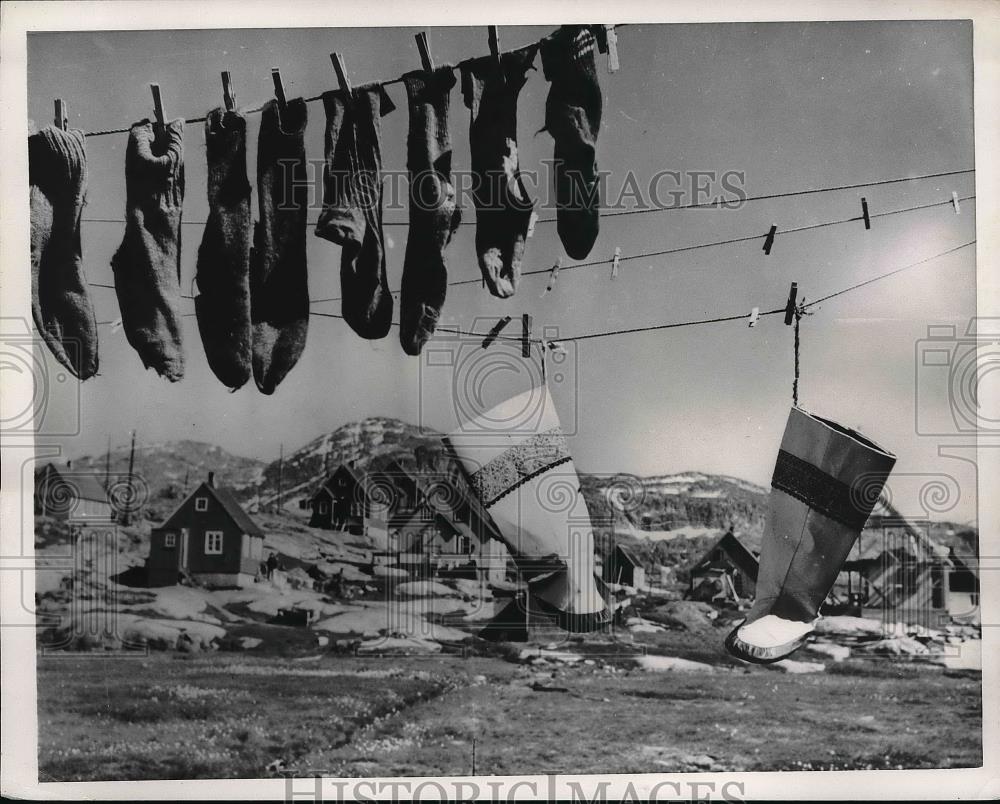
(786, 106)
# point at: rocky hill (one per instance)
(665, 519)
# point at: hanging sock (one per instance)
(520, 469)
(352, 205)
(434, 215)
(279, 284)
(826, 482)
(503, 209)
(573, 118)
(222, 305)
(147, 265)
(60, 299)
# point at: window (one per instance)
(169, 539)
(213, 542)
(201, 503)
(464, 544)
(324, 507)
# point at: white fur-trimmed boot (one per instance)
(519, 466)
(826, 481)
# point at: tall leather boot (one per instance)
(519, 466)
(826, 481)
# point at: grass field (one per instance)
(225, 715)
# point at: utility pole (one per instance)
(130, 494)
(281, 466)
(107, 465)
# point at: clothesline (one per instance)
(703, 205)
(676, 324)
(663, 252)
(313, 98)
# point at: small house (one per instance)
(208, 537)
(622, 567)
(727, 571)
(76, 497)
(342, 502)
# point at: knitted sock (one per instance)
(60, 299)
(434, 215)
(503, 209)
(352, 205)
(147, 265)
(573, 118)
(223, 302)
(279, 286)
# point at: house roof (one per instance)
(629, 556)
(360, 478)
(735, 550)
(229, 504)
(86, 486)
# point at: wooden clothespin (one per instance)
(615, 261)
(279, 88)
(531, 223)
(793, 293)
(158, 112)
(954, 199)
(425, 51)
(494, 37)
(525, 335)
(611, 37)
(228, 93)
(553, 276)
(864, 214)
(769, 240)
(342, 79)
(754, 316)
(497, 329)
(62, 114)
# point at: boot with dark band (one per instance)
(826, 482)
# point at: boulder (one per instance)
(895, 646)
(836, 652)
(795, 667)
(672, 664)
(398, 646)
(688, 615)
(424, 589)
(842, 625)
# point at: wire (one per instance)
(398, 80)
(744, 316)
(697, 246)
(660, 253)
(706, 205)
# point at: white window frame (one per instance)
(212, 549)
(170, 539)
(201, 504)
(324, 507)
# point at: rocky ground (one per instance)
(185, 682)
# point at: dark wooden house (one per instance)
(208, 537)
(343, 501)
(71, 496)
(727, 571)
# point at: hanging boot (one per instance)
(503, 208)
(826, 481)
(523, 474)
